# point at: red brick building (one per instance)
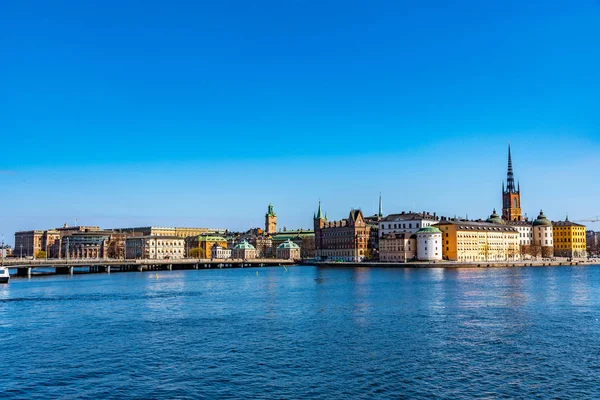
(345, 240)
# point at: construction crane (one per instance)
(591, 219)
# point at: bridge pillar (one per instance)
(170, 267)
(107, 269)
(140, 268)
(24, 272)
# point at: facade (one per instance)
(218, 252)
(397, 247)
(155, 247)
(592, 240)
(85, 245)
(469, 241)
(345, 240)
(28, 243)
(288, 250)
(511, 196)
(244, 251)
(406, 222)
(429, 244)
(270, 221)
(305, 239)
(543, 237)
(182, 232)
(263, 245)
(205, 243)
(569, 239)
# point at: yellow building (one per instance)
(569, 239)
(469, 241)
(205, 243)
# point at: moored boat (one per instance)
(4, 276)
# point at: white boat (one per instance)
(4, 276)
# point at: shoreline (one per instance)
(450, 264)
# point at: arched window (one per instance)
(515, 201)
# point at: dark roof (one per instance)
(472, 225)
(566, 223)
(155, 237)
(406, 216)
(402, 235)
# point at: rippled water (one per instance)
(304, 333)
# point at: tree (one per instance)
(41, 254)
(197, 252)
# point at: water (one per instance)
(305, 333)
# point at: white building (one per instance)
(542, 235)
(155, 247)
(288, 250)
(525, 228)
(219, 252)
(244, 251)
(429, 244)
(406, 222)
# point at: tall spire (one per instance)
(319, 211)
(380, 206)
(510, 179)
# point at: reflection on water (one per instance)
(304, 332)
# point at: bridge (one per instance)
(25, 268)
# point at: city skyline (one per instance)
(163, 117)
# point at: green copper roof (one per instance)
(211, 239)
(495, 218)
(244, 245)
(429, 229)
(271, 212)
(542, 220)
(320, 212)
(288, 244)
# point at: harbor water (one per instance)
(303, 332)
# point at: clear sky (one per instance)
(199, 113)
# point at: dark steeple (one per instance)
(510, 178)
(320, 212)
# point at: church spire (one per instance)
(320, 212)
(380, 206)
(510, 179)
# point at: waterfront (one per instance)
(304, 332)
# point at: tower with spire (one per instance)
(511, 195)
(271, 221)
(319, 221)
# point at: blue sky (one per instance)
(123, 113)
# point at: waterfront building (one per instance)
(511, 195)
(85, 245)
(592, 240)
(218, 252)
(155, 247)
(51, 243)
(429, 244)
(569, 239)
(270, 221)
(543, 237)
(263, 245)
(28, 243)
(182, 232)
(288, 250)
(305, 239)
(406, 222)
(397, 247)
(244, 251)
(344, 240)
(205, 243)
(470, 241)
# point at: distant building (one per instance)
(155, 247)
(28, 243)
(305, 239)
(345, 240)
(406, 222)
(397, 247)
(263, 245)
(511, 195)
(288, 250)
(569, 239)
(429, 244)
(270, 221)
(182, 232)
(244, 251)
(543, 237)
(86, 245)
(470, 241)
(205, 243)
(592, 242)
(218, 252)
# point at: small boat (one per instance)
(4, 276)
